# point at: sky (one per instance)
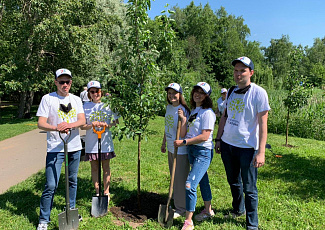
(301, 20)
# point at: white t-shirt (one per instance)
(99, 112)
(205, 120)
(50, 108)
(221, 105)
(171, 119)
(84, 96)
(241, 128)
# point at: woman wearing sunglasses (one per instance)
(198, 138)
(99, 115)
(176, 105)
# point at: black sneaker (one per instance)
(80, 218)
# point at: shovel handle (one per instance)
(99, 132)
(174, 167)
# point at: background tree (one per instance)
(137, 98)
(45, 36)
(297, 88)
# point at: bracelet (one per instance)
(217, 140)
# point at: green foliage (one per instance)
(306, 122)
(138, 99)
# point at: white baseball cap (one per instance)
(205, 87)
(223, 90)
(245, 60)
(60, 72)
(175, 87)
(93, 84)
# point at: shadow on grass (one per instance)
(20, 201)
(303, 175)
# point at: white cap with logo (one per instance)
(94, 84)
(60, 72)
(205, 87)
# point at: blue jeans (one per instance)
(242, 177)
(200, 159)
(52, 172)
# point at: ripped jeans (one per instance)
(200, 159)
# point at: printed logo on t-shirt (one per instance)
(98, 116)
(237, 106)
(169, 121)
(67, 116)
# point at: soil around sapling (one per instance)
(128, 209)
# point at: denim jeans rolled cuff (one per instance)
(200, 159)
(52, 172)
(242, 178)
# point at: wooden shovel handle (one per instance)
(173, 168)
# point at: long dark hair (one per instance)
(181, 101)
(206, 103)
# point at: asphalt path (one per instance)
(21, 156)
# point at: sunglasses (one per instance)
(192, 117)
(64, 82)
(93, 92)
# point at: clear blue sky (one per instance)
(302, 20)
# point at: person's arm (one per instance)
(64, 126)
(43, 125)
(259, 159)
(204, 136)
(217, 112)
(222, 124)
(183, 130)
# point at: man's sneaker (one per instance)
(235, 215)
(80, 218)
(42, 227)
(204, 215)
(188, 225)
(178, 214)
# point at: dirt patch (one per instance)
(128, 209)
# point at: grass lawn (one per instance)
(291, 188)
(10, 126)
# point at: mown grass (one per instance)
(291, 188)
(11, 126)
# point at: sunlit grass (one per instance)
(291, 188)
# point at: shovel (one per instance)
(166, 213)
(268, 146)
(99, 203)
(69, 219)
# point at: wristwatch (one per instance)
(184, 141)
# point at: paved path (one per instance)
(21, 156)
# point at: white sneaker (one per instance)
(42, 227)
(204, 215)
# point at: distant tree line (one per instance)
(85, 36)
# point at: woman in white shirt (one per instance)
(198, 138)
(176, 103)
(99, 115)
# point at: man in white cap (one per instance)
(60, 111)
(241, 140)
(221, 102)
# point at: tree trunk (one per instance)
(29, 103)
(22, 103)
(287, 131)
(139, 169)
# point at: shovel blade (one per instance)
(69, 219)
(162, 216)
(99, 206)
